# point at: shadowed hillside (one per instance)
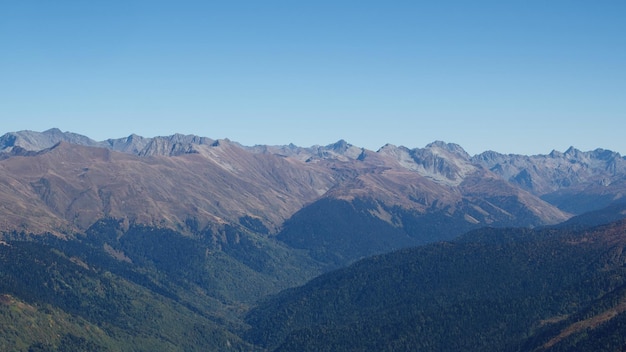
(492, 290)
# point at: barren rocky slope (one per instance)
(189, 181)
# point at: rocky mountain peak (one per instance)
(573, 153)
(387, 147)
(555, 154)
(340, 146)
(341, 150)
(604, 154)
(452, 148)
(445, 163)
(222, 142)
(34, 141)
(490, 159)
(132, 144)
(392, 149)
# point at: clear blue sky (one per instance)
(511, 76)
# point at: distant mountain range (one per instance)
(166, 243)
(68, 182)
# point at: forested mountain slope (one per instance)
(491, 290)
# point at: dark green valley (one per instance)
(491, 290)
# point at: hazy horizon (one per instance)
(563, 150)
(514, 77)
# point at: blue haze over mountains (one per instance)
(392, 198)
(549, 175)
(178, 243)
